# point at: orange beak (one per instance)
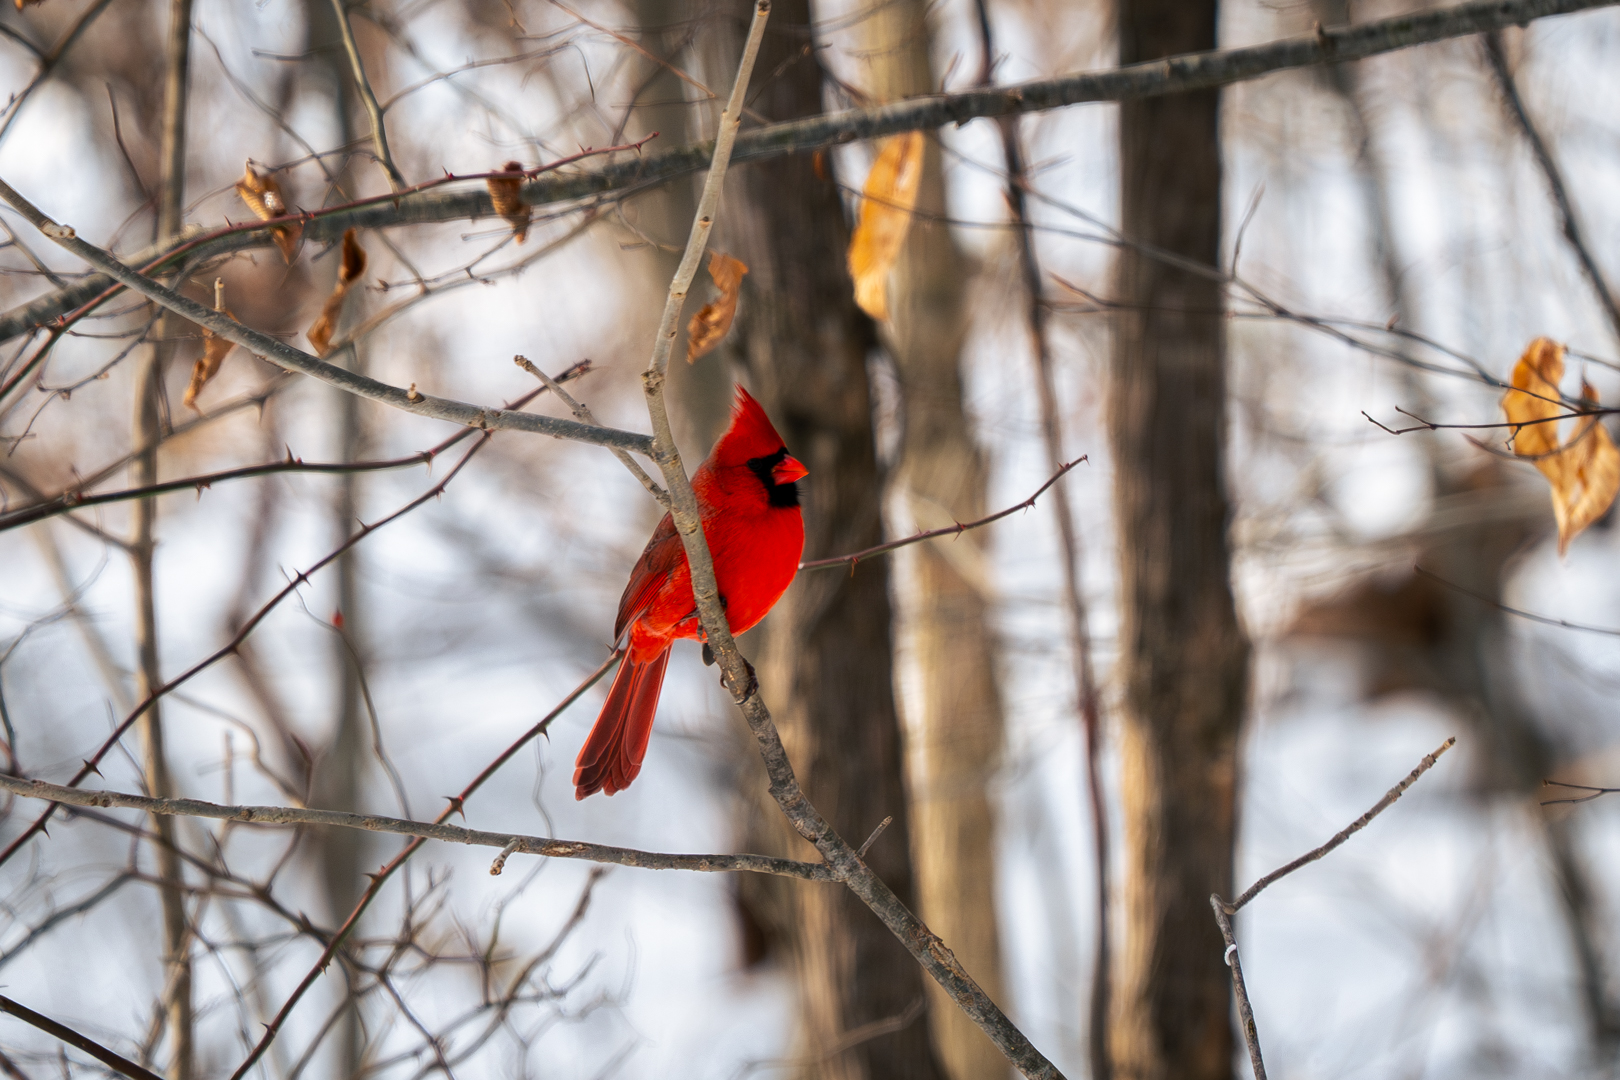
(788, 471)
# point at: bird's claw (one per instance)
(708, 655)
(750, 688)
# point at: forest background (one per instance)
(1202, 651)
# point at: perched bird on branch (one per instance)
(748, 493)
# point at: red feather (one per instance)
(748, 498)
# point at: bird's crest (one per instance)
(751, 434)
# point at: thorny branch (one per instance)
(1224, 911)
(76, 499)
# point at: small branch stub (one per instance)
(499, 864)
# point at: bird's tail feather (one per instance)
(611, 756)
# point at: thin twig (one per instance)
(379, 133)
(1595, 792)
(75, 499)
(1345, 833)
(948, 530)
(116, 1062)
(877, 832)
(583, 415)
(1224, 911)
(1251, 1034)
(1544, 620)
(1555, 180)
(450, 834)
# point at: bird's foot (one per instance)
(750, 688)
(708, 655)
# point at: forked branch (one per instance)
(1224, 911)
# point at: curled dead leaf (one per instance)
(887, 201)
(349, 271)
(505, 193)
(710, 325)
(263, 196)
(1584, 473)
(215, 349)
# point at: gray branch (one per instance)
(1194, 71)
(450, 834)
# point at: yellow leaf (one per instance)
(886, 204)
(504, 193)
(1584, 473)
(709, 326)
(349, 271)
(263, 196)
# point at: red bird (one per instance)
(749, 497)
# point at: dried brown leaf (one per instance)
(263, 196)
(215, 349)
(1584, 473)
(887, 201)
(710, 325)
(349, 271)
(505, 193)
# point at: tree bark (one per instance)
(956, 729)
(669, 106)
(1183, 663)
(827, 663)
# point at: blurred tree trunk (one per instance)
(827, 663)
(1183, 655)
(956, 728)
(148, 430)
(669, 106)
(340, 769)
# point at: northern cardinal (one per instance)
(748, 493)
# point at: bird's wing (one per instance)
(660, 559)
